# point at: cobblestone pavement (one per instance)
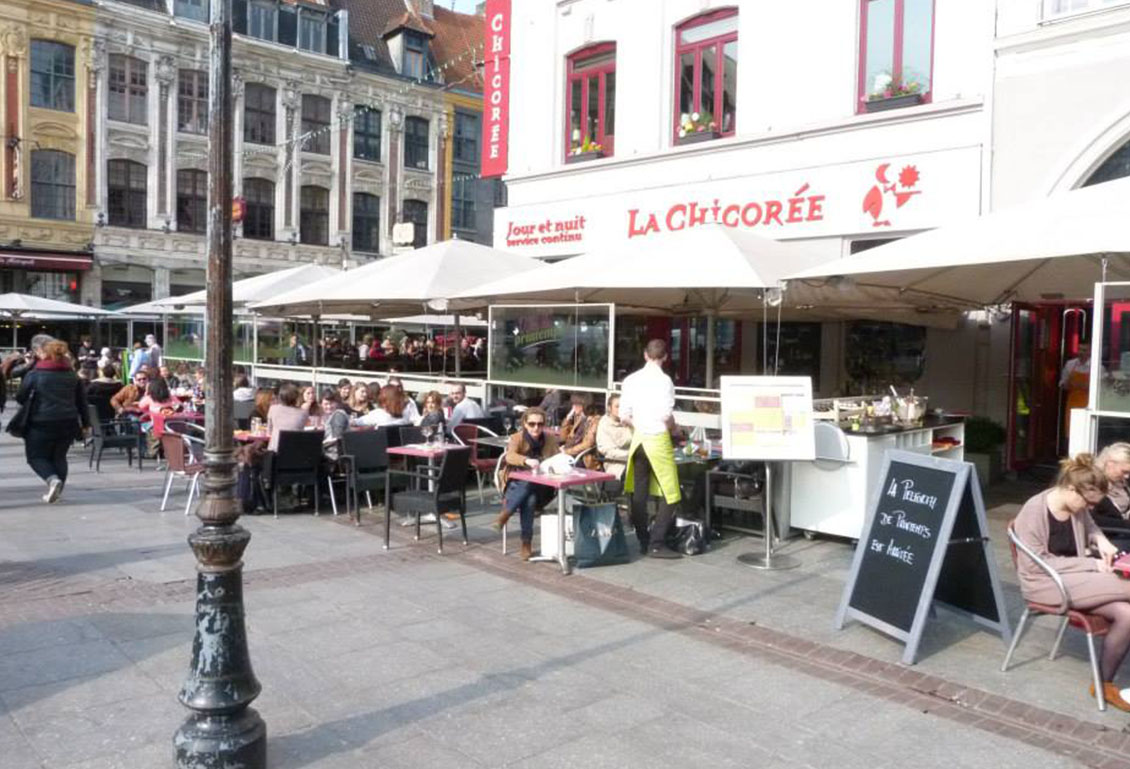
(472, 658)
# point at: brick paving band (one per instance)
(30, 593)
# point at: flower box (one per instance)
(581, 157)
(893, 102)
(697, 136)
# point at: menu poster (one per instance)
(768, 418)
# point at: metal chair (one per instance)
(366, 452)
(184, 458)
(298, 460)
(241, 412)
(119, 433)
(1091, 624)
(482, 463)
(448, 493)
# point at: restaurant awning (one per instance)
(45, 260)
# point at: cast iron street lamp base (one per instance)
(217, 742)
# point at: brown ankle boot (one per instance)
(527, 551)
(499, 523)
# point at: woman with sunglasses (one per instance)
(526, 450)
(1056, 525)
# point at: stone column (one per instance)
(15, 48)
(166, 74)
(161, 282)
(442, 203)
(292, 100)
(395, 163)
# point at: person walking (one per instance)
(57, 415)
(647, 404)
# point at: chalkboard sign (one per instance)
(925, 541)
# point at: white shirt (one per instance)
(647, 399)
(378, 417)
(411, 412)
(464, 409)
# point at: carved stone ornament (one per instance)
(396, 118)
(291, 95)
(444, 126)
(166, 70)
(15, 40)
(98, 56)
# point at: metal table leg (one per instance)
(562, 557)
(769, 561)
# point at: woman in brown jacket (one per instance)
(1056, 524)
(526, 450)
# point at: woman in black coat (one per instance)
(57, 415)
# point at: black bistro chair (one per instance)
(241, 412)
(122, 433)
(448, 493)
(366, 456)
(298, 460)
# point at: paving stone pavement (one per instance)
(408, 658)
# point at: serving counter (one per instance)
(830, 495)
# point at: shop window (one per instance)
(61, 286)
(259, 214)
(316, 112)
(52, 185)
(314, 216)
(1116, 166)
(128, 90)
(416, 212)
(463, 202)
(416, 143)
(192, 101)
(591, 101)
(125, 194)
(259, 114)
(415, 56)
(52, 75)
(706, 80)
(366, 223)
(367, 133)
(192, 201)
(880, 354)
(896, 57)
(798, 353)
(197, 10)
(466, 145)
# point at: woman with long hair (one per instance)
(526, 450)
(56, 416)
(389, 411)
(359, 403)
(1056, 524)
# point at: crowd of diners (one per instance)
(407, 352)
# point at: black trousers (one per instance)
(641, 478)
(46, 445)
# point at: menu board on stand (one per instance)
(925, 542)
(768, 418)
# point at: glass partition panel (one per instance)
(185, 337)
(1114, 358)
(272, 346)
(557, 345)
(243, 340)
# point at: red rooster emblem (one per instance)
(874, 199)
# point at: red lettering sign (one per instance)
(496, 90)
(801, 206)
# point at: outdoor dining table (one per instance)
(246, 436)
(560, 482)
(428, 451)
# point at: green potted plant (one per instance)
(984, 440)
(696, 127)
(893, 94)
(583, 149)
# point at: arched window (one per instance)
(1116, 166)
(314, 216)
(259, 215)
(125, 193)
(706, 80)
(52, 75)
(52, 184)
(128, 89)
(590, 95)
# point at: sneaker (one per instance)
(54, 489)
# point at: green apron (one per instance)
(664, 475)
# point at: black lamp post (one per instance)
(222, 730)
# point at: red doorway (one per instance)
(1044, 337)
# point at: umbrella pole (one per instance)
(709, 350)
(458, 349)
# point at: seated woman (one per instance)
(265, 397)
(1057, 526)
(578, 431)
(359, 403)
(1114, 463)
(525, 451)
(102, 389)
(284, 415)
(310, 404)
(158, 403)
(242, 389)
(613, 439)
(433, 416)
(389, 411)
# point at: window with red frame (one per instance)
(706, 79)
(896, 56)
(591, 96)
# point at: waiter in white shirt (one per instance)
(646, 404)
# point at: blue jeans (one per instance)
(522, 498)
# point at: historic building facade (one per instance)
(342, 130)
(47, 206)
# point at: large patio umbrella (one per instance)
(1048, 249)
(26, 306)
(249, 290)
(708, 269)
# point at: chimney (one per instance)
(425, 8)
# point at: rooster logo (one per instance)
(873, 201)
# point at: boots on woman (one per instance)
(499, 523)
(527, 551)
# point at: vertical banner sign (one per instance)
(496, 91)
